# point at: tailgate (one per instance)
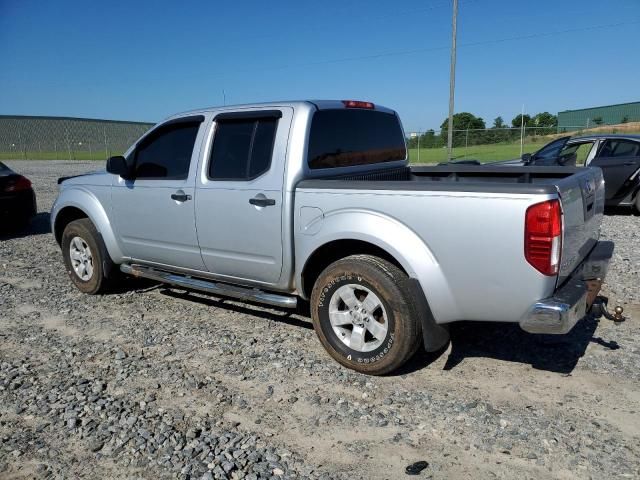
(582, 198)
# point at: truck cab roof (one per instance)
(318, 104)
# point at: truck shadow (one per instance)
(499, 341)
(286, 316)
(507, 342)
(38, 225)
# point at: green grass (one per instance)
(483, 153)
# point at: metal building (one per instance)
(570, 120)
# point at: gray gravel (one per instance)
(623, 280)
(153, 382)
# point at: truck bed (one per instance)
(456, 178)
(493, 194)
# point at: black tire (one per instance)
(392, 288)
(102, 265)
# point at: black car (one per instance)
(617, 155)
(17, 199)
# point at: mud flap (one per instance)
(434, 336)
(107, 262)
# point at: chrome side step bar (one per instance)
(221, 289)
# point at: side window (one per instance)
(551, 150)
(575, 154)
(620, 148)
(242, 148)
(166, 153)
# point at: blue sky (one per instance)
(143, 60)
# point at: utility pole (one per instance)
(106, 148)
(452, 79)
(522, 131)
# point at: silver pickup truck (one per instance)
(314, 201)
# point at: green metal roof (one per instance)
(593, 116)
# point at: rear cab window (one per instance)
(353, 137)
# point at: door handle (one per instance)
(180, 197)
(628, 164)
(262, 202)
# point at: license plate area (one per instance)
(593, 289)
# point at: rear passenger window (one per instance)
(242, 148)
(620, 148)
(166, 152)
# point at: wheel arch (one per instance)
(76, 204)
(360, 231)
(65, 216)
(334, 250)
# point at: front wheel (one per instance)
(85, 257)
(364, 315)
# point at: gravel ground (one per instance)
(154, 382)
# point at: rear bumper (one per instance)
(558, 314)
(20, 205)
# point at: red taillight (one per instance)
(358, 104)
(18, 184)
(543, 236)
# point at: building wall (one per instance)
(569, 120)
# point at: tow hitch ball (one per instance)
(599, 309)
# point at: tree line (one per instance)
(472, 130)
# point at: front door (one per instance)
(619, 159)
(155, 211)
(239, 197)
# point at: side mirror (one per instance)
(526, 158)
(118, 166)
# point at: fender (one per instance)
(86, 201)
(387, 233)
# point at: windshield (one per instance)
(345, 138)
(551, 150)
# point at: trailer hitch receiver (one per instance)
(599, 309)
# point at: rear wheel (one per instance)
(85, 257)
(364, 315)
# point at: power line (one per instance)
(434, 49)
(363, 18)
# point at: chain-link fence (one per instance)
(492, 144)
(62, 138)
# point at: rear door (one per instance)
(239, 195)
(619, 160)
(154, 212)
